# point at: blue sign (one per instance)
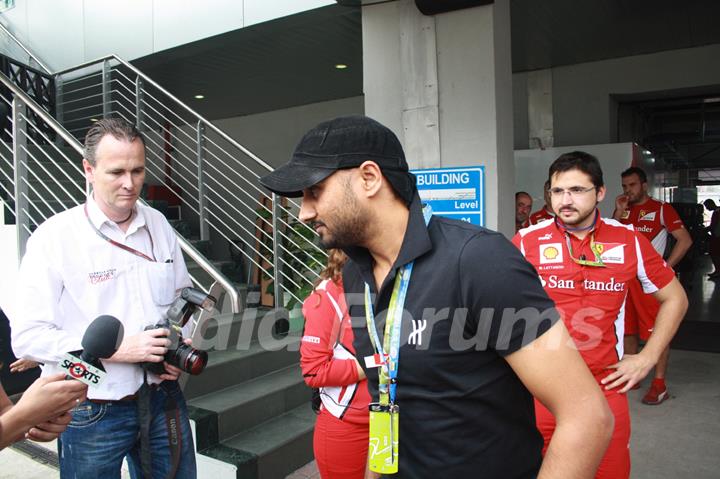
(457, 193)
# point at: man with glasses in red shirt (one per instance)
(585, 264)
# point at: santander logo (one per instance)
(643, 229)
(557, 283)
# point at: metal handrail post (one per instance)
(106, 76)
(59, 107)
(139, 95)
(22, 205)
(202, 184)
(277, 261)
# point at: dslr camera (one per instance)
(179, 354)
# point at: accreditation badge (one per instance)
(384, 438)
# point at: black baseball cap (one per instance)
(342, 143)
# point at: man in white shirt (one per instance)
(110, 256)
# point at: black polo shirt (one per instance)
(472, 300)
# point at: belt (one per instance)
(128, 398)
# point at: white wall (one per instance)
(64, 33)
(583, 110)
(273, 135)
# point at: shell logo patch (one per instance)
(551, 253)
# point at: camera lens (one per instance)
(189, 359)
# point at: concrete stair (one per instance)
(251, 407)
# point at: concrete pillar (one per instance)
(540, 109)
(443, 83)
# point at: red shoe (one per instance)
(656, 394)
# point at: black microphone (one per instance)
(100, 341)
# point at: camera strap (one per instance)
(144, 418)
(172, 421)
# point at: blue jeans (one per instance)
(101, 435)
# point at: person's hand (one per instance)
(22, 365)
(621, 202)
(48, 398)
(172, 373)
(49, 430)
(630, 371)
(147, 346)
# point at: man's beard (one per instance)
(579, 220)
(348, 232)
(349, 225)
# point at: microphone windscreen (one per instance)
(103, 337)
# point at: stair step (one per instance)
(236, 366)
(198, 273)
(243, 406)
(273, 449)
(202, 246)
(233, 331)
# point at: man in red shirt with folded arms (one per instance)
(585, 264)
(653, 219)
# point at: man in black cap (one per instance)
(451, 323)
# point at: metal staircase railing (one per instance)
(211, 176)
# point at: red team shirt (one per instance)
(654, 219)
(540, 215)
(591, 299)
(327, 355)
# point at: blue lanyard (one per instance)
(393, 326)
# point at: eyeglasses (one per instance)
(574, 192)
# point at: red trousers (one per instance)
(615, 463)
(340, 447)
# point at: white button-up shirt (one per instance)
(70, 275)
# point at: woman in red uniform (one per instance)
(327, 359)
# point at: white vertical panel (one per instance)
(123, 28)
(418, 66)
(177, 22)
(55, 30)
(382, 79)
(476, 108)
(16, 20)
(540, 108)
